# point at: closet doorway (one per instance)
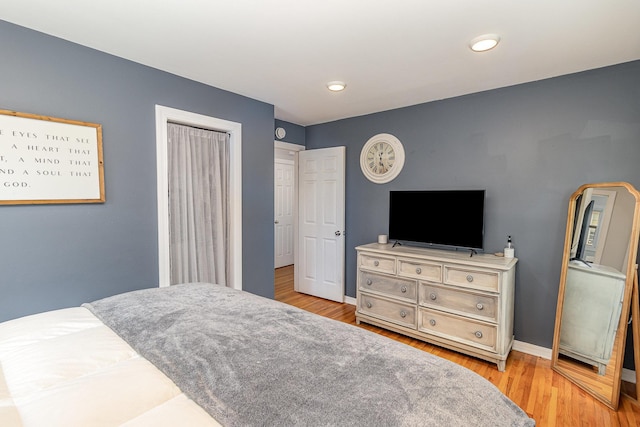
(285, 202)
(284, 214)
(164, 116)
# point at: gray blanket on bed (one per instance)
(251, 361)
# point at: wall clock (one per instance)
(382, 158)
(280, 133)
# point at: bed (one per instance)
(205, 355)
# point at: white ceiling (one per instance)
(391, 53)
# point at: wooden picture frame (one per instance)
(48, 160)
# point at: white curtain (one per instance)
(198, 209)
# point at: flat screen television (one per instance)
(581, 248)
(451, 218)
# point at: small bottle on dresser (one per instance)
(509, 251)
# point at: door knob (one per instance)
(337, 233)
(277, 222)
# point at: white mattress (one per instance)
(66, 368)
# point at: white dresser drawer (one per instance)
(420, 269)
(391, 311)
(390, 286)
(459, 328)
(445, 298)
(472, 278)
(376, 262)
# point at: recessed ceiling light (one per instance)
(336, 86)
(484, 42)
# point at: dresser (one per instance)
(447, 298)
(593, 297)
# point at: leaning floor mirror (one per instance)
(596, 283)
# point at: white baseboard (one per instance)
(628, 375)
(535, 350)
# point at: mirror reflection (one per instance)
(595, 288)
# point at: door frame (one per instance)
(295, 148)
(164, 115)
(294, 208)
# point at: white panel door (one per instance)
(284, 212)
(320, 264)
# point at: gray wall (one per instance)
(55, 256)
(530, 146)
(295, 133)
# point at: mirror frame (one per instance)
(599, 388)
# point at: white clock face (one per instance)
(382, 158)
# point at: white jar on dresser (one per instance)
(447, 298)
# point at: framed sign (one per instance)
(49, 160)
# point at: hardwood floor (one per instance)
(528, 380)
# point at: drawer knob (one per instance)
(403, 314)
(376, 263)
(478, 334)
(418, 270)
(368, 304)
(432, 296)
(403, 289)
(432, 322)
(369, 282)
(469, 278)
(479, 306)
